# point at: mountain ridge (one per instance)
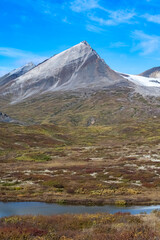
(78, 68)
(16, 73)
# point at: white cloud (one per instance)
(114, 18)
(92, 28)
(145, 43)
(20, 55)
(11, 52)
(84, 5)
(65, 20)
(118, 45)
(152, 18)
(46, 7)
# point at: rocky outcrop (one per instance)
(5, 118)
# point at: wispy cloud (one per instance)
(18, 58)
(93, 28)
(21, 55)
(114, 18)
(12, 52)
(84, 5)
(65, 20)
(152, 18)
(46, 7)
(118, 45)
(145, 43)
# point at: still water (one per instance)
(39, 208)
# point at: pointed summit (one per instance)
(75, 68)
(85, 42)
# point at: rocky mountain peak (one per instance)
(86, 43)
(78, 67)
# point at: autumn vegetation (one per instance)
(82, 148)
(119, 226)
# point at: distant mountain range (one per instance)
(75, 69)
(16, 73)
(152, 73)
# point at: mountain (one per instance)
(95, 128)
(16, 73)
(152, 73)
(76, 68)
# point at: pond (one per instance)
(40, 208)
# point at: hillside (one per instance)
(72, 108)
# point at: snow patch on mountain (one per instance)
(143, 81)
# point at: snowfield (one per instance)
(143, 81)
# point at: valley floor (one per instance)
(91, 165)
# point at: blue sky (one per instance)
(126, 34)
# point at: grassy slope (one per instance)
(107, 107)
